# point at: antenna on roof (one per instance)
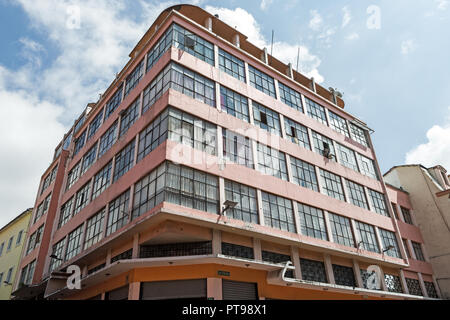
(298, 58)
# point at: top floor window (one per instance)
(193, 44)
(114, 102)
(359, 135)
(262, 81)
(290, 97)
(134, 77)
(338, 123)
(231, 65)
(316, 111)
(95, 124)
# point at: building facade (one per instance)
(429, 192)
(12, 239)
(204, 168)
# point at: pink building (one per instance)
(204, 168)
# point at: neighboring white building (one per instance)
(429, 191)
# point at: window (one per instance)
(341, 230)
(149, 191)
(278, 212)
(290, 97)
(378, 202)
(102, 180)
(73, 175)
(118, 213)
(49, 179)
(261, 81)
(367, 166)
(94, 228)
(312, 223)
(237, 148)
(368, 240)
(297, 133)
(278, 258)
(322, 144)
(19, 237)
(407, 216)
(26, 277)
(338, 123)
(176, 249)
(393, 283)
(313, 270)
(9, 275)
(95, 124)
(124, 160)
(108, 139)
(344, 276)
(414, 287)
(431, 289)
(156, 88)
(123, 256)
(247, 205)
(74, 243)
(10, 244)
(358, 134)
(66, 212)
(235, 250)
(388, 239)
(129, 116)
(35, 239)
(79, 143)
(42, 208)
(80, 123)
(394, 208)
(272, 162)
(134, 77)
(234, 104)
(266, 119)
(82, 198)
(304, 174)
(418, 251)
(316, 111)
(158, 50)
(332, 185)
(192, 84)
(231, 65)
(347, 157)
(114, 102)
(57, 251)
(357, 194)
(89, 158)
(201, 49)
(153, 135)
(192, 131)
(191, 188)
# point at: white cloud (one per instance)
(29, 132)
(442, 4)
(316, 20)
(352, 36)
(436, 150)
(286, 52)
(265, 4)
(347, 16)
(408, 46)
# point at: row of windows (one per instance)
(10, 242)
(49, 179)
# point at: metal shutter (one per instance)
(118, 294)
(234, 290)
(177, 289)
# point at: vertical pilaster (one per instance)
(357, 273)
(216, 242)
(422, 285)
(260, 207)
(214, 288)
(289, 167)
(329, 268)
(134, 289)
(328, 225)
(135, 254)
(403, 282)
(257, 249)
(296, 261)
(296, 217)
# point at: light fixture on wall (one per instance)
(228, 205)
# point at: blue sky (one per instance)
(389, 58)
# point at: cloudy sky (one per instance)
(389, 58)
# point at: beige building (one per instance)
(429, 191)
(12, 240)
